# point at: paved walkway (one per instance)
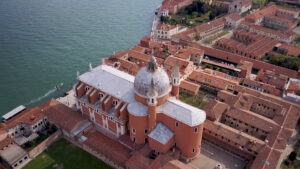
(69, 100)
(211, 156)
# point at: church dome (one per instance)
(152, 74)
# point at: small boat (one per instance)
(58, 86)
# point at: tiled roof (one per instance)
(29, 116)
(235, 16)
(256, 63)
(62, 115)
(292, 50)
(167, 162)
(108, 147)
(184, 84)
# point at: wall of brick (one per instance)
(43, 145)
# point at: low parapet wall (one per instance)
(43, 145)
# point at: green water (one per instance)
(44, 42)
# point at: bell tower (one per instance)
(152, 102)
(175, 81)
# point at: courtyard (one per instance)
(64, 155)
(199, 100)
(211, 156)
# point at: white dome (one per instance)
(142, 82)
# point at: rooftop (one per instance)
(108, 79)
(161, 133)
(12, 154)
(183, 112)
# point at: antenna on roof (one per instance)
(91, 68)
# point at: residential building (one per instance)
(165, 31)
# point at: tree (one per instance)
(293, 156)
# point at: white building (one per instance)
(165, 31)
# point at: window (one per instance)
(146, 131)
(196, 130)
(15, 165)
(133, 130)
(87, 88)
(146, 140)
(175, 144)
(114, 102)
(158, 153)
(20, 161)
(101, 95)
(193, 150)
(25, 158)
(134, 139)
(176, 124)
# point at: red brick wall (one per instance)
(46, 143)
(162, 148)
(140, 124)
(98, 118)
(112, 125)
(185, 136)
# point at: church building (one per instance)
(145, 107)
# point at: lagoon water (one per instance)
(45, 42)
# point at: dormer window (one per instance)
(152, 100)
(101, 95)
(115, 102)
(87, 88)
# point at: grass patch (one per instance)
(290, 62)
(196, 101)
(209, 41)
(64, 155)
(196, 13)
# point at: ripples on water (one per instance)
(44, 42)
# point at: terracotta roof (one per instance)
(29, 116)
(3, 133)
(5, 142)
(237, 58)
(138, 161)
(167, 162)
(139, 48)
(119, 54)
(262, 12)
(108, 147)
(193, 87)
(214, 109)
(234, 135)
(58, 113)
(210, 25)
(295, 87)
(235, 16)
(172, 61)
(138, 55)
(292, 50)
(185, 53)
